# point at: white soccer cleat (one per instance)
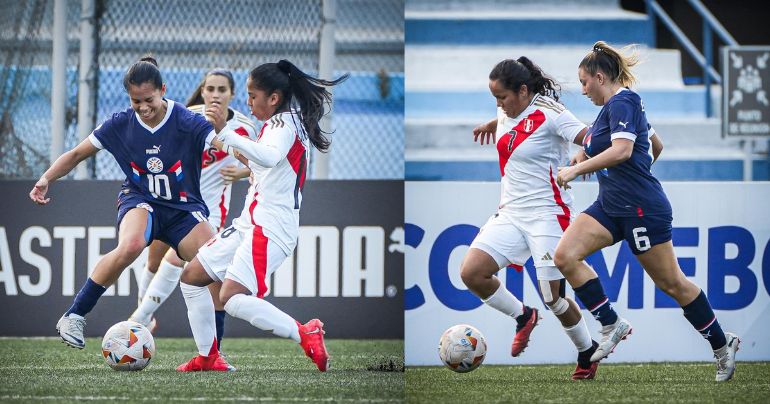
(611, 337)
(148, 322)
(725, 357)
(70, 328)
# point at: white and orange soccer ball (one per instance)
(128, 345)
(462, 348)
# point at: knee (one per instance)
(562, 258)
(130, 248)
(469, 275)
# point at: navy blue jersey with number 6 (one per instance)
(629, 188)
(161, 163)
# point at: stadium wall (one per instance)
(721, 237)
(347, 269)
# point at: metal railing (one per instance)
(706, 59)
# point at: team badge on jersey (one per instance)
(510, 141)
(528, 125)
(154, 165)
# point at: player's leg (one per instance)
(164, 282)
(208, 266)
(155, 254)
(135, 231)
(496, 241)
(568, 313)
(590, 232)
(219, 311)
(245, 285)
(661, 264)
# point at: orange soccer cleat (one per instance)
(585, 373)
(312, 341)
(212, 362)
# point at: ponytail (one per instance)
(309, 94)
(143, 71)
(615, 64)
(514, 73)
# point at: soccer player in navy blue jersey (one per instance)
(631, 206)
(159, 146)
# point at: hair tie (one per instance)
(284, 66)
(598, 49)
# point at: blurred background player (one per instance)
(532, 132)
(243, 256)
(631, 206)
(159, 145)
(218, 171)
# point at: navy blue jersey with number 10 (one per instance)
(161, 163)
(629, 188)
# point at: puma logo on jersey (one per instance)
(154, 150)
(623, 124)
(510, 141)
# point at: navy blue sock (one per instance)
(220, 317)
(86, 299)
(592, 295)
(702, 317)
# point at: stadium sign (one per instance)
(746, 91)
(347, 268)
(722, 246)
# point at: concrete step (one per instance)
(466, 68)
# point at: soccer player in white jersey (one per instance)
(243, 256)
(532, 133)
(158, 144)
(631, 206)
(218, 171)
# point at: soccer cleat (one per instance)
(521, 339)
(611, 336)
(70, 328)
(312, 341)
(725, 357)
(151, 323)
(206, 363)
(584, 374)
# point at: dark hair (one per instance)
(143, 71)
(196, 98)
(295, 86)
(515, 73)
(613, 63)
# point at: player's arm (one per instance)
(267, 153)
(656, 144)
(618, 152)
(486, 131)
(61, 167)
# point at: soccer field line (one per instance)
(203, 399)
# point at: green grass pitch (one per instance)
(614, 383)
(269, 370)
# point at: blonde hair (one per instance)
(615, 64)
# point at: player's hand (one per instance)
(233, 173)
(481, 134)
(38, 192)
(578, 158)
(217, 116)
(566, 174)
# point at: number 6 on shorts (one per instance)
(642, 241)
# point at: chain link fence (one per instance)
(189, 38)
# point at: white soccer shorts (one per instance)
(512, 240)
(249, 258)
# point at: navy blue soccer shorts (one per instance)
(166, 224)
(641, 232)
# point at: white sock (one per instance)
(579, 335)
(144, 281)
(200, 312)
(263, 315)
(505, 302)
(159, 290)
